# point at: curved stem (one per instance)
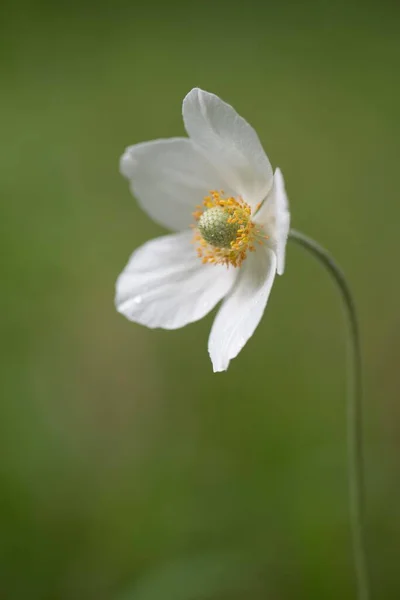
(354, 414)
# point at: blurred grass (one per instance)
(120, 452)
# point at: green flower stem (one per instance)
(354, 415)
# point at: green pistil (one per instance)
(215, 228)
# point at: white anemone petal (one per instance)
(274, 215)
(229, 143)
(166, 285)
(242, 310)
(169, 178)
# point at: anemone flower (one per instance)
(229, 212)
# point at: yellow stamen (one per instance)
(224, 230)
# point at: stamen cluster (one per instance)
(224, 230)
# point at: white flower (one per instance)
(218, 191)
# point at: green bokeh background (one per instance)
(128, 470)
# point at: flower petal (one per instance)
(275, 216)
(166, 285)
(169, 178)
(229, 143)
(242, 310)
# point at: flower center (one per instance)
(224, 230)
(217, 227)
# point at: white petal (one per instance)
(229, 143)
(169, 178)
(275, 216)
(166, 285)
(242, 310)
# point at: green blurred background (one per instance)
(128, 470)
